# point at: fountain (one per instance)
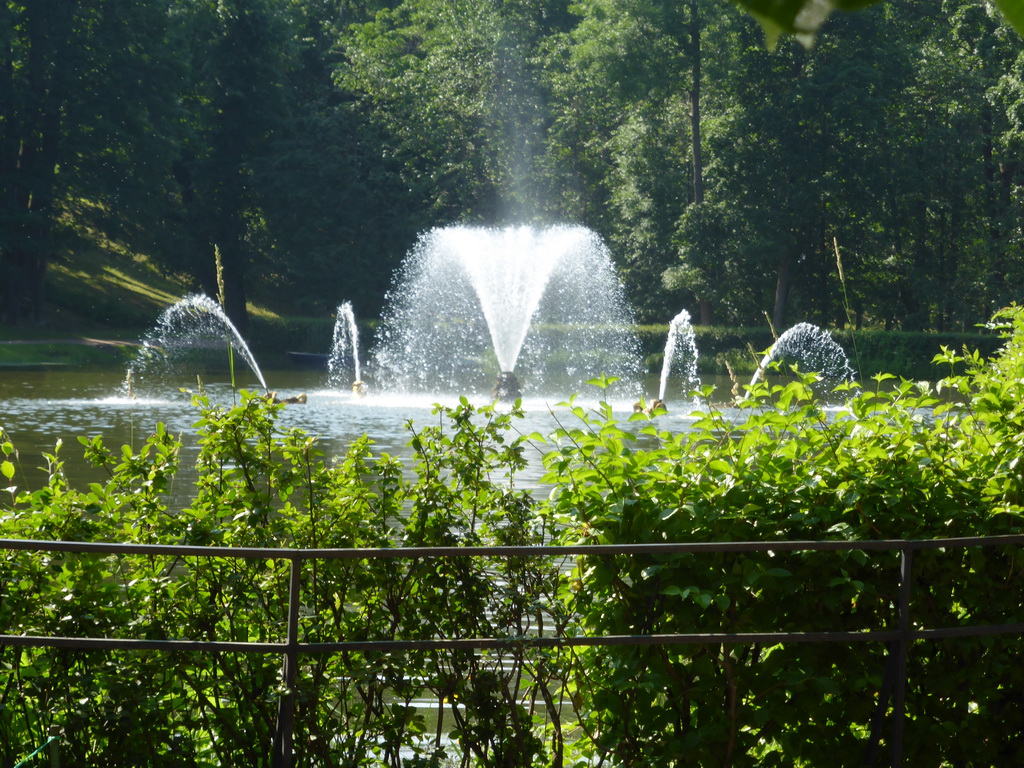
(812, 349)
(537, 310)
(194, 332)
(680, 356)
(343, 367)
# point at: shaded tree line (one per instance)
(181, 127)
(871, 179)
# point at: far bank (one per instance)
(904, 354)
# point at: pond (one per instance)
(40, 407)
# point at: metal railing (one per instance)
(898, 639)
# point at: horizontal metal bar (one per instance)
(979, 630)
(489, 643)
(129, 644)
(703, 638)
(697, 547)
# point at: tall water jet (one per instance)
(195, 334)
(810, 348)
(344, 358)
(471, 304)
(680, 359)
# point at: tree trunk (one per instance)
(707, 314)
(32, 141)
(782, 290)
(706, 306)
(695, 134)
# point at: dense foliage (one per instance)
(895, 460)
(310, 141)
(890, 465)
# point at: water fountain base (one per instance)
(296, 400)
(506, 387)
(651, 408)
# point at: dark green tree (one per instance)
(645, 60)
(950, 216)
(239, 56)
(801, 158)
(804, 18)
(337, 216)
(86, 91)
(872, 142)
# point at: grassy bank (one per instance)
(901, 353)
(105, 294)
(80, 352)
(904, 354)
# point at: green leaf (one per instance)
(703, 599)
(1013, 12)
(7, 470)
(675, 590)
(802, 18)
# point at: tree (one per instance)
(802, 158)
(872, 141)
(69, 130)
(949, 211)
(646, 59)
(337, 216)
(453, 90)
(240, 53)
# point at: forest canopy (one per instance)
(870, 179)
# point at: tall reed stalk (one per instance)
(846, 302)
(222, 300)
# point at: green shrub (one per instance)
(259, 487)
(893, 463)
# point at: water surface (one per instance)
(40, 407)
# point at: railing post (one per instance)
(903, 650)
(56, 732)
(285, 737)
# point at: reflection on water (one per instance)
(38, 408)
